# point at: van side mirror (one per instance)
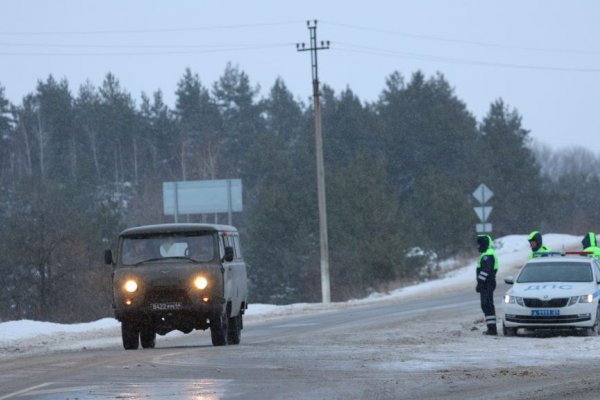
(509, 279)
(228, 254)
(108, 257)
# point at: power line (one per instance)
(348, 47)
(147, 53)
(459, 41)
(143, 46)
(138, 31)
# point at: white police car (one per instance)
(557, 291)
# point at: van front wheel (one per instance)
(148, 337)
(130, 335)
(218, 329)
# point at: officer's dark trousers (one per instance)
(487, 306)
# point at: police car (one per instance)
(556, 291)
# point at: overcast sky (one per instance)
(541, 57)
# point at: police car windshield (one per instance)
(556, 272)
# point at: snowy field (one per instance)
(452, 340)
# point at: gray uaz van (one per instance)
(179, 277)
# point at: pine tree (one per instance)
(200, 129)
(509, 168)
(348, 128)
(5, 119)
(159, 131)
(284, 206)
(242, 122)
(6, 137)
(88, 122)
(571, 188)
(29, 141)
(58, 141)
(427, 132)
(118, 133)
(424, 125)
(365, 229)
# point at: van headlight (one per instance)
(130, 286)
(200, 282)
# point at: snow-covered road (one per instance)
(419, 341)
(32, 337)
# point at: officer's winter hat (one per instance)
(484, 242)
(589, 240)
(537, 236)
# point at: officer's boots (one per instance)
(491, 330)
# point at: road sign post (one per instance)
(482, 194)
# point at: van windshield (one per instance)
(197, 246)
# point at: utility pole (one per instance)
(313, 48)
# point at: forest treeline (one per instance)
(78, 166)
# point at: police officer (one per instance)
(589, 244)
(487, 266)
(535, 241)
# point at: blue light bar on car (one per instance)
(558, 253)
(547, 253)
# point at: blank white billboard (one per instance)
(202, 197)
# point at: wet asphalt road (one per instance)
(296, 357)
(191, 368)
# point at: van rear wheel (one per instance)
(234, 331)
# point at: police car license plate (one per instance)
(545, 313)
(166, 306)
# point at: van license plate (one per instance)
(166, 306)
(545, 313)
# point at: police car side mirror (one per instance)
(108, 257)
(509, 280)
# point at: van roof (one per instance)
(180, 227)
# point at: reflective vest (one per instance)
(542, 249)
(489, 252)
(595, 251)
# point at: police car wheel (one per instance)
(595, 330)
(508, 331)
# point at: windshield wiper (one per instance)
(148, 259)
(183, 258)
(165, 258)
